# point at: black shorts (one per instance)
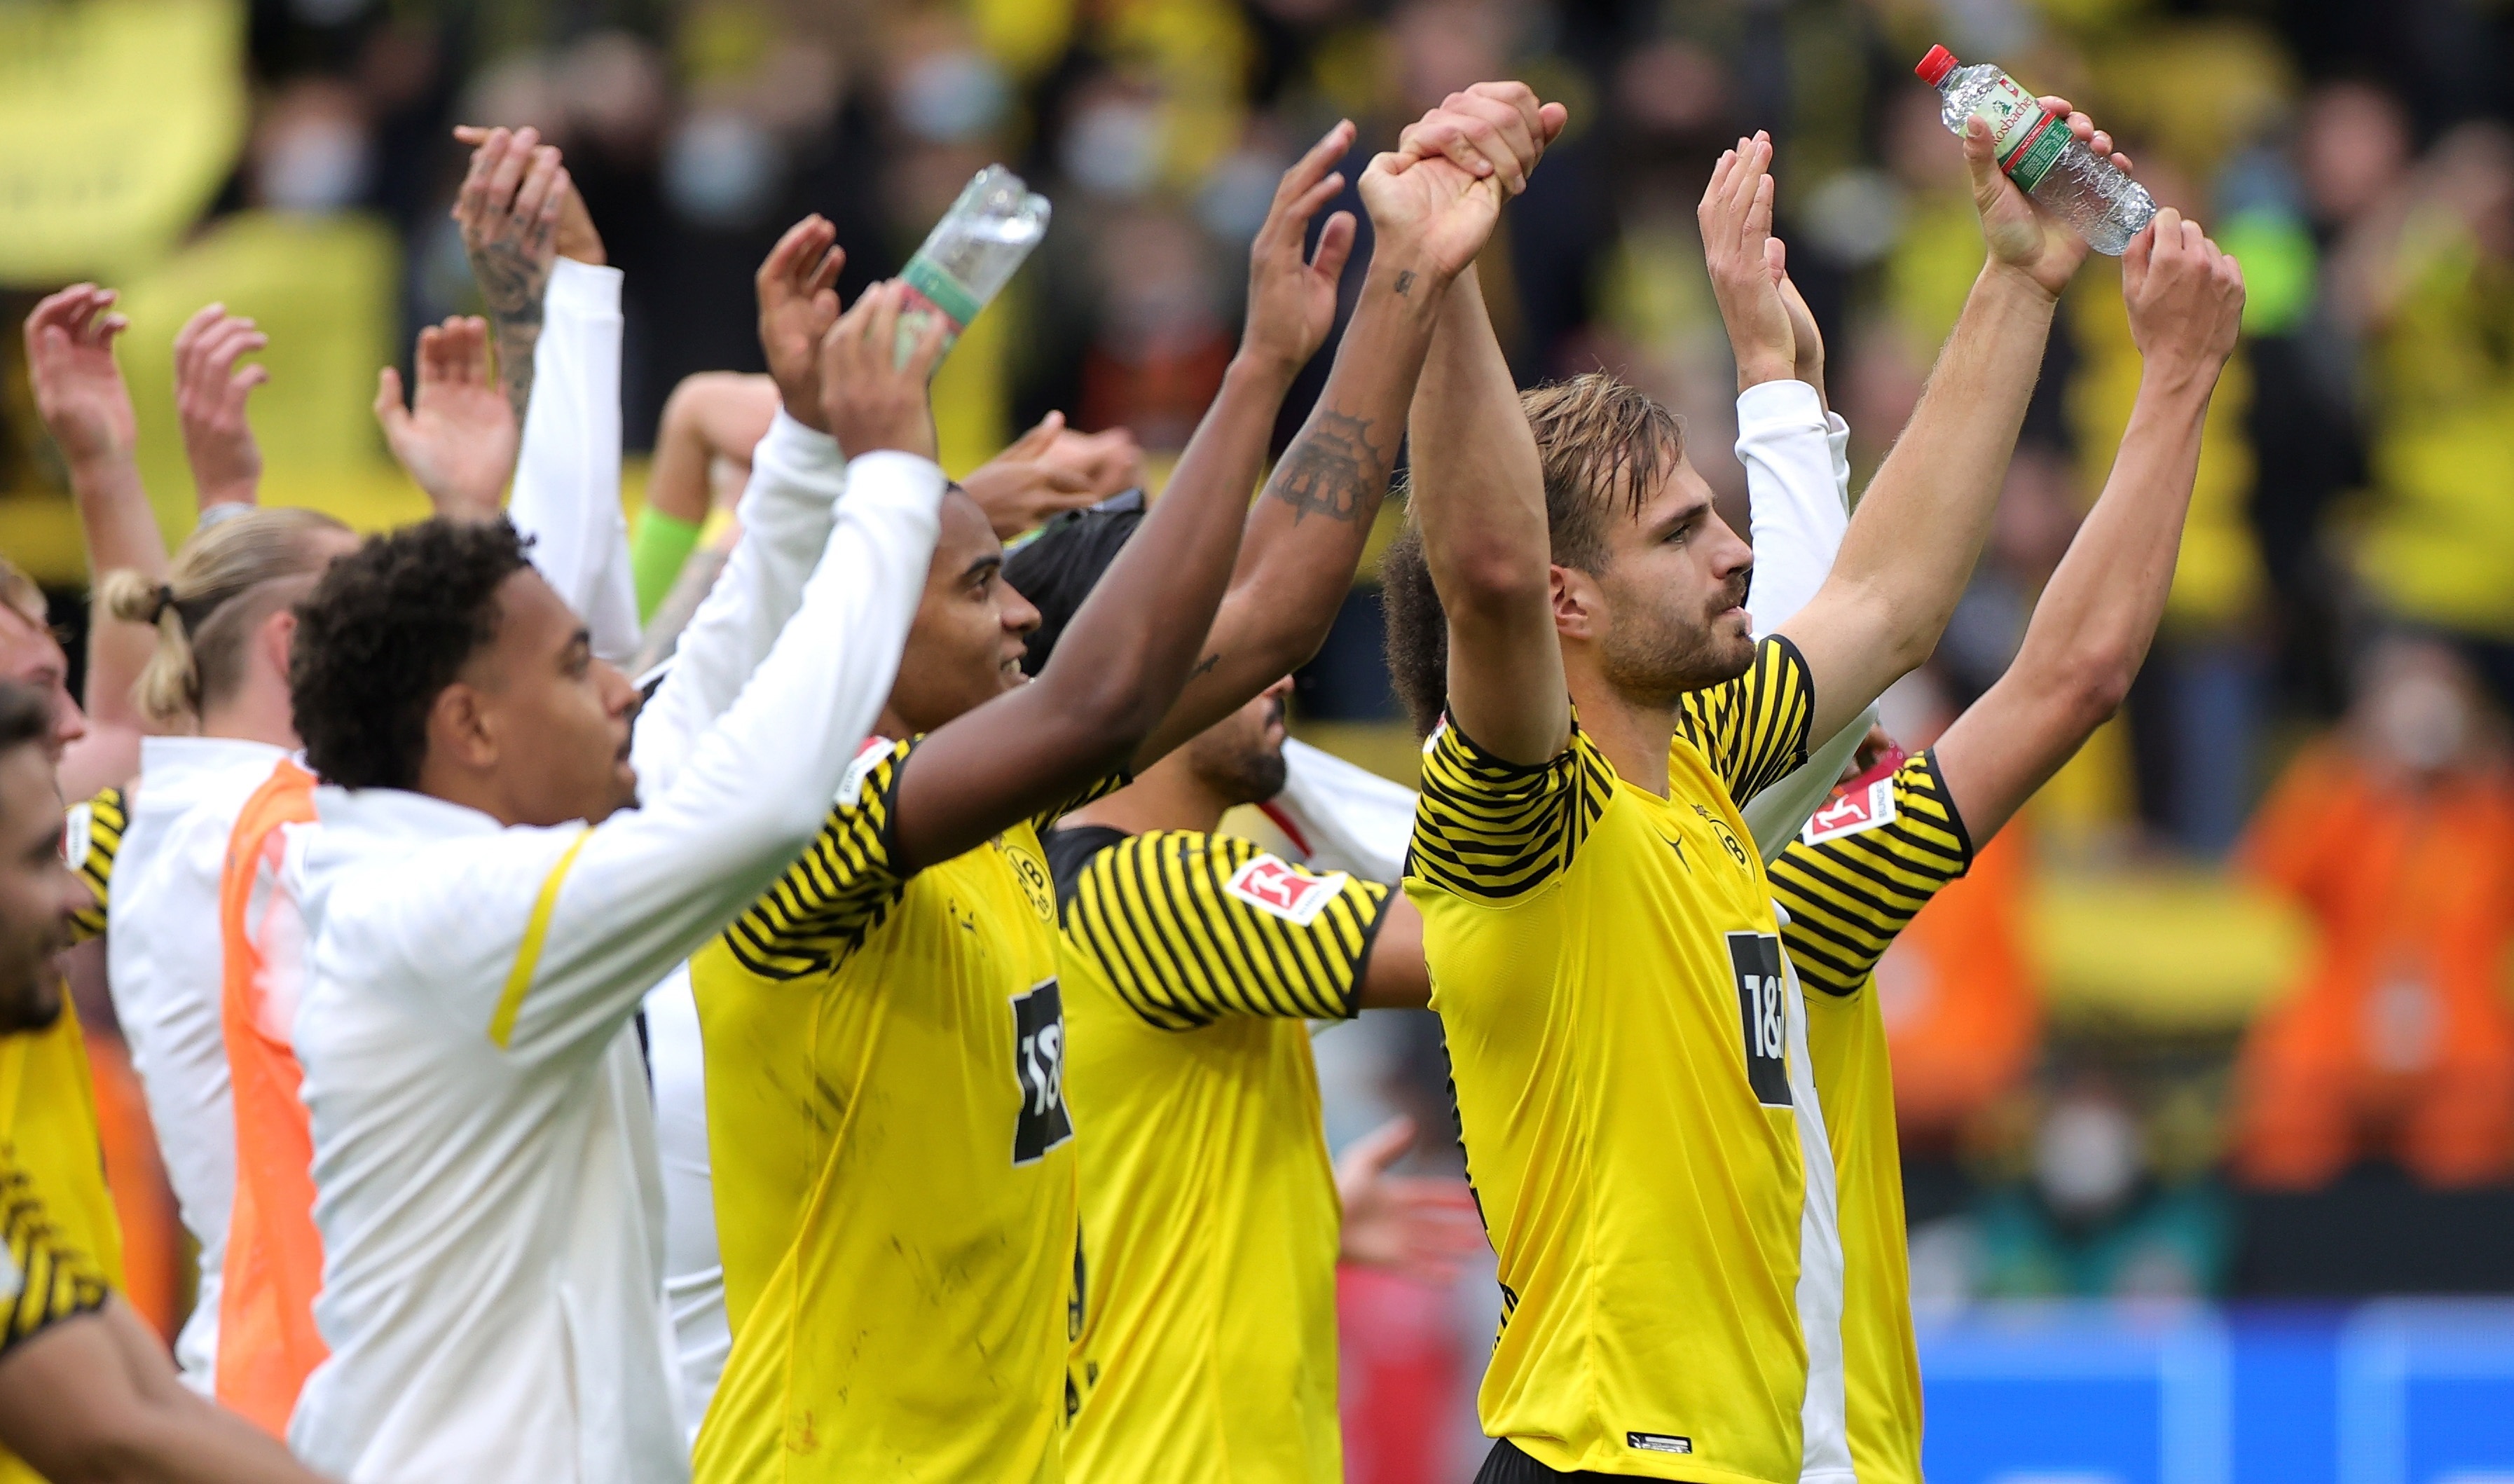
(1506, 1464)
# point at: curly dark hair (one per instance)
(1603, 445)
(386, 630)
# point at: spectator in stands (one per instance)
(2396, 836)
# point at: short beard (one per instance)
(1249, 774)
(1653, 660)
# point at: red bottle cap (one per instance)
(1934, 68)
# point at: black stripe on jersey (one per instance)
(108, 815)
(1849, 896)
(1492, 829)
(1155, 913)
(55, 1281)
(1754, 729)
(835, 895)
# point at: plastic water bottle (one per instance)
(971, 253)
(2074, 183)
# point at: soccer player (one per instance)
(1190, 963)
(460, 440)
(1871, 860)
(86, 1390)
(891, 1146)
(485, 918)
(1603, 947)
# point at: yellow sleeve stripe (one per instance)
(100, 821)
(528, 958)
(54, 1282)
(1754, 729)
(1494, 830)
(1155, 913)
(1849, 896)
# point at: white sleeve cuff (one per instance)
(911, 476)
(583, 288)
(793, 447)
(1771, 408)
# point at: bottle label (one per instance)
(2028, 138)
(942, 290)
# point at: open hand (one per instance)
(1805, 340)
(79, 392)
(869, 400)
(799, 302)
(1736, 221)
(2021, 235)
(1292, 297)
(458, 437)
(1422, 1228)
(1023, 486)
(210, 393)
(2185, 296)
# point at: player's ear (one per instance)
(1575, 602)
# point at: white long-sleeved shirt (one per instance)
(166, 991)
(1798, 483)
(484, 1153)
(567, 470)
(163, 968)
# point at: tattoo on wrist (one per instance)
(1333, 470)
(1206, 665)
(1404, 281)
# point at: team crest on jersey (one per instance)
(1850, 813)
(1271, 884)
(78, 833)
(868, 758)
(1032, 872)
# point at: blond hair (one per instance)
(224, 582)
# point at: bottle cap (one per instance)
(1934, 68)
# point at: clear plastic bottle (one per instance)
(971, 253)
(2081, 188)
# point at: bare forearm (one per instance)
(1925, 515)
(121, 531)
(1305, 535)
(2091, 628)
(1115, 665)
(1478, 489)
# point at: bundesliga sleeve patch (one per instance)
(1848, 814)
(1272, 885)
(78, 833)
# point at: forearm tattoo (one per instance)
(1333, 470)
(511, 263)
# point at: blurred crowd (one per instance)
(2325, 710)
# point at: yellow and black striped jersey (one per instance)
(91, 836)
(1860, 871)
(893, 1159)
(1607, 969)
(48, 1278)
(1192, 963)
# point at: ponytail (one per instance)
(203, 629)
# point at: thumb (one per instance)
(1033, 443)
(1981, 159)
(1373, 1152)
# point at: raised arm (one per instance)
(567, 473)
(2091, 626)
(457, 437)
(210, 394)
(1305, 535)
(786, 508)
(1919, 528)
(81, 397)
(1136, 641)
